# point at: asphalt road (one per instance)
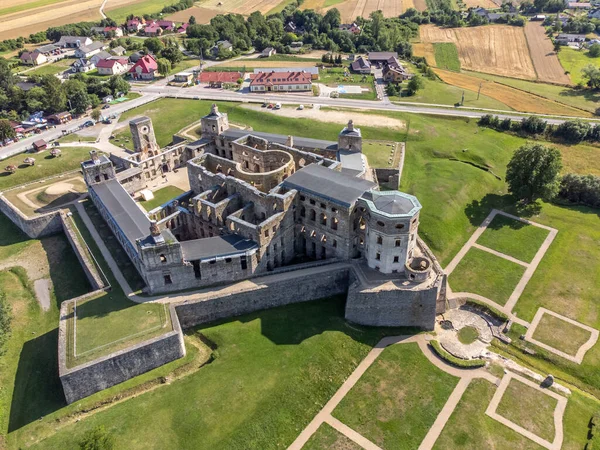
(160, 89)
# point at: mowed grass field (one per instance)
(497, 49)
(446, 56)
(574, 60)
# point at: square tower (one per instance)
(350, 138)
(97, 169)
(215, 122)
(142, 132)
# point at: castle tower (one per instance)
(215, 122)
(350, 138)
(144, 140)
(97, 169)
(392, 223)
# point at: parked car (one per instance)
(106, 107)
(278, 106)
(89, 123)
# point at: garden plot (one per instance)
(532, 411)
(560, 335)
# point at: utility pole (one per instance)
(479, 91)
(462, 100)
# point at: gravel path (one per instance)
(42, 292)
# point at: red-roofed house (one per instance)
(183, 28)
(33, 58)
(166, 25)
(145, 68)
(281, 81)
(153, 30)
(134, 25)
(217, 79)
(112, 66)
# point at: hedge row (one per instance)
(463, 363)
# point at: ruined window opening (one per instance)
(97, 178)
(302, 198)
(163, 258)
(397, 242)
(334, 243)
(105, 176)
(303, 212)
(380, 223)
(378, 256)
(243, 262)
(227, 260)
(396, 259)
(361, 224)
(313, 215)
(197, 272)
(312, 202)
(324, 239)
(323, 218)
(361, 241)
(379, 240)
(323, 205)
(399, 226)
(168, 279)
(266, 233)
(334, 223)
(334, 210)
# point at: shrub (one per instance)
(97, 439)
(453, 360)
(573, 130)
(533, 125)
(581, 189)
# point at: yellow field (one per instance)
(351, 9)
(515, 98)
(244, 7)
(545, 60)
(202, 15)
(488, 4)
(496, 49)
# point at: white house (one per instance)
(88, 51)
(83, 65)
(74, 41)
(112, 66)
(99, 57)
(33, 58)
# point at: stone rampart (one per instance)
(34, 227)
(84, 255)
(86, 379)
(389, 178)
(270, 291)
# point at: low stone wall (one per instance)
(389, 178)
(84, 380)
(34, 227)
(89, 267)
(270, 291)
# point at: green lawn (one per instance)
(584, 99)
(529, 408)
(272, 372)
(378, 153)
(335, 76)
(467, 335)
(574, 60)
(74, 137)
(439, 93)
(280, 7)
(560, 334)
(138, 9)
(397, 399)
(446, 56)
(469, 428)
(184, 65)
(480, 272)
(327, 437)
(161, 196)
(45, 165)
(513, 238)
(52, 68)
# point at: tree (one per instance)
(35, 99)
(5, 318)
(592, 74)
(173, 54)
(6, 130)
(573, 130)
(56, 98)
(97, 439)
(96, 114)
(117, 84)
(594, 50)
(533, 172)
(533, 125)
(415, 83)
(164, 66)
(557, 46)
(79, 99)
(192, 20)
(154, 45)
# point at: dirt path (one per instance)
(42, 292)
(339, 117)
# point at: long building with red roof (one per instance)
(217, 79)
(281, 81)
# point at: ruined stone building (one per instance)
(261, 202)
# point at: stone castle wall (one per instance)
(34, 227)
(87, 379)
(270, 292)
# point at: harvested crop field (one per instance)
(544, 57)
(202, 15)
(258, 63)
(26, 22)
(516, 98)
(245, 7)
(351, 9)
(496, 49)
(487, 4)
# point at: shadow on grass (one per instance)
(590, 95)
(58, 202)
(37, 390)
(478, 210)
(293, 324)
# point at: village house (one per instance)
(183, 28)
(378, 59)
(312, 71)
(594, 14)
(32, 58)
(74, 41)
(145, 68)
(114, 66)
(296, 46)
(87, 51)
(566, 39)
(167, 25)
(350, 28)
(153, 29)
(60, 118)
(118, 51)
(99, 57)
(267, 52)
(183, 77)
(83, 65)
(281, 81)
(48, 50)
(221, 45)
(134, 25)
(395, 74)
(361, 65)
(219, 79)
(579, 5)
(108, 31)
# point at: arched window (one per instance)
(302, 211)
(323, 219)
(313, 215)
(334, 223)
(163, 258)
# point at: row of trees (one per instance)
(573, 131)
(320, 31)
(51, 96)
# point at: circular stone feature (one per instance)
(467, 335)
(58, 189)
